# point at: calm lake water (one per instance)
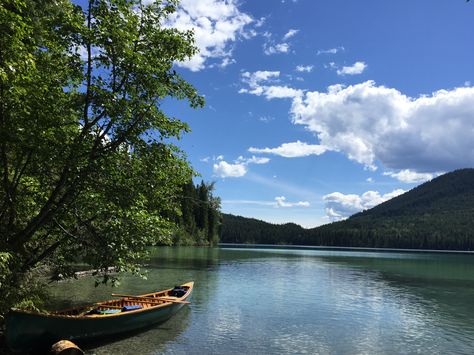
(270, 301)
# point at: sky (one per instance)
(317, 109)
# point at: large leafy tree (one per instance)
(86, 166)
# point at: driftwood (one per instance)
(66, 347)
(110, 269)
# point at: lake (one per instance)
(260, 301)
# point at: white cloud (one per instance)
(253, 160)
(248, 202)
(272, 47)
(224, 169)
(260, 22)
(281, 92)
(258, 85)
(216, 24)
(281, 202)
(410, 176)
(369, 179)
(205, 160)
(339, 206)
(254, 80)
(356, 68)
(292, 150)
(266, 119)
(276, 48)
(304, 68)
(330, 50)
(239, 168)
(226, 62)
(290, 33)
(375, 124)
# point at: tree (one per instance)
(200, 218)
(86, 167)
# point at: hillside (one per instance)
(237, 229)
(435, 215)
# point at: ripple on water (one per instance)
(266, 302)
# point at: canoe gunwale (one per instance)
(57, 314)
(30, 331)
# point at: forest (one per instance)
(438, 214)
(198, 222)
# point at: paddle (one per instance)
(151, 298)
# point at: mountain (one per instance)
(237, 229)
(438, 214)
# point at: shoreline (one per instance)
(335, 248)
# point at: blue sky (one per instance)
(318, 109)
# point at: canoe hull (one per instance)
(27, 331)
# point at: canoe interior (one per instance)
(146, 301)
(27, 331)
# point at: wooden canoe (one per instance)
(27, 330)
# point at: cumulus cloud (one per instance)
(410, 176)
(281, 202)
(239, 168)
(304, 68)
(262, 83)
(254, 81)
(224, 169)
(292, 150)
(339, 206)
(375, 124)
(356, 68)
(216, 24)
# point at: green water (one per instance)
(271, 301)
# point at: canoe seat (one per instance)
(178, 291)
(131, 308)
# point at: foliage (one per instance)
(436, 215)
(200, 218)
(86, 167)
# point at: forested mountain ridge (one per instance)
(237, 229)
(449, 192)
(438, 214)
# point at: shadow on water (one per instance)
(197, 258)
(327, 301)
(166, 267)
(149, 340)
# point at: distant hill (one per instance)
(237, 229)
(438, 214)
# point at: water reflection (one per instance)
(304, 301)
(151, 341)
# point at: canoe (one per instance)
(28, 330)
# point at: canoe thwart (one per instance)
(149, 298)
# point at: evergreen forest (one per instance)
(438, 214)
(199, 219)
